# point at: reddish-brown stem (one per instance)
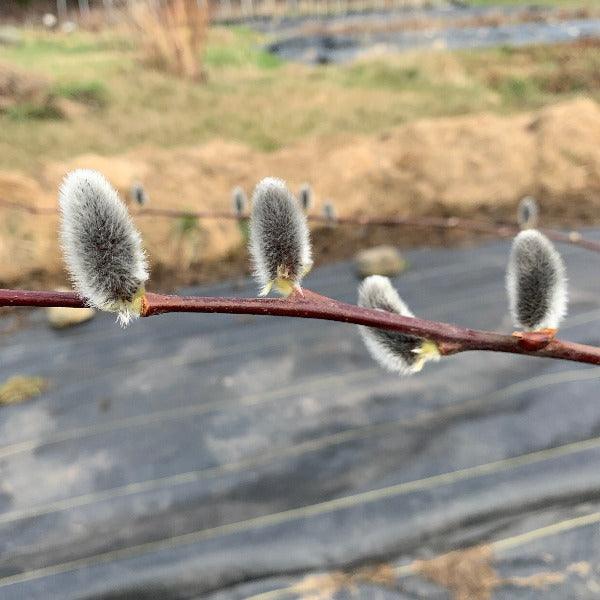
(457, 223)
(41, 298)
(309, 305)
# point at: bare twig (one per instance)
(309, 305)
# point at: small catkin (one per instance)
(279, 238)
(536, 282)
(238, 201)
(528, 213)
(329, 213)
(102, 249)
(395, 351)
(139, 194)
(305, 196)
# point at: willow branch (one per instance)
(309, 305)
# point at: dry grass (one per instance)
(172, 36)
(21, 91)
(326, 586)
(253, 97)
(20, 388)
(468, 574)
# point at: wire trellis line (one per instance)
(501, 230)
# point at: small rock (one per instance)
(380, 260)
(68, 27)
(60, 317)
(49, 21)
(10, 36)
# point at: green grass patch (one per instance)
(93, 93)
(27, 112)
(242, 48)
(384, 74)
(518, 91)
(255, 98)
(225, 56)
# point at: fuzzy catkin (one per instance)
(139, 194)
(329, 212)
(279, 238)
(536, 282)
(395, 351)
(238, 201)
(528, 213)
(305, 197)
(102, 249)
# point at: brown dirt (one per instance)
(477, 166)
(18, 87)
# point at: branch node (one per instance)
(144, 307)
(449, 348)
(534, 340)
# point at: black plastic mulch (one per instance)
(221, 457)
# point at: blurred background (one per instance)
(223, 457)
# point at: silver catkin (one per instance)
(139, 195)
(305, 197)
(395, 351)
(528, 213)
(279, 238)
(329, 213)
(102, 249)
(238, 201)
(536, 282)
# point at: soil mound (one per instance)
(477, 166)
